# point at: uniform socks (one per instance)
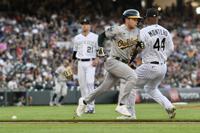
(60, 99)
(54, 97)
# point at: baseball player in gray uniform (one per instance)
(158, 47)
(60, 88)
(124, 39)
(130, 104)
(85, 48)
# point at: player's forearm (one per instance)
(101, 39)
(133, 56)
(74, 55)
(136, 50)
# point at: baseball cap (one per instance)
(151, 12)
(85, 21)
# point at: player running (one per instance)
(158, 47)
(124, 39)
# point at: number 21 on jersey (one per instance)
(89, 49)
(159, 44)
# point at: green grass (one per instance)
(144, 111)
(99, 128)
(106, 112)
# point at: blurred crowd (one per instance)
(184, 63)
(32, 46)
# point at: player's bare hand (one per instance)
(95, 62)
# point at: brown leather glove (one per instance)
(68, 73)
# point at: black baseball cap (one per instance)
(85, 21)
(151, 12)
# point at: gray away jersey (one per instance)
(60, 72)
(122, 41)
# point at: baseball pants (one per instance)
(149, 78)
(60, 88)
(115, 70)
(86, 78)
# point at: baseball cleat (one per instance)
(51, 104)
(91, 111)
(81, 107)
(58, 104)
(171, 112)
(122, 109)
(123, 117)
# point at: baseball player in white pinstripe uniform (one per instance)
(158, 47)
(124, 39)
(85, 47)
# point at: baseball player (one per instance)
(158, 46)
(124, 40)
(85, 47)
(62, 74)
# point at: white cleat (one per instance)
(90, 111)
(81, 107)
(171, 112)
(123, 110)
(123, 117)
(51, 103)
(58, 104)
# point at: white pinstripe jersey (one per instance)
(158, 43)
(86, 46)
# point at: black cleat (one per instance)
(171, 112)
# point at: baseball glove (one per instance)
(100, 52)
(140, 44)
(68, 73)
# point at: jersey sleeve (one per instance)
(58, 70)
(170, 45)
(112, 31)
(142, 36)
(96, 42)
(75, 47)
